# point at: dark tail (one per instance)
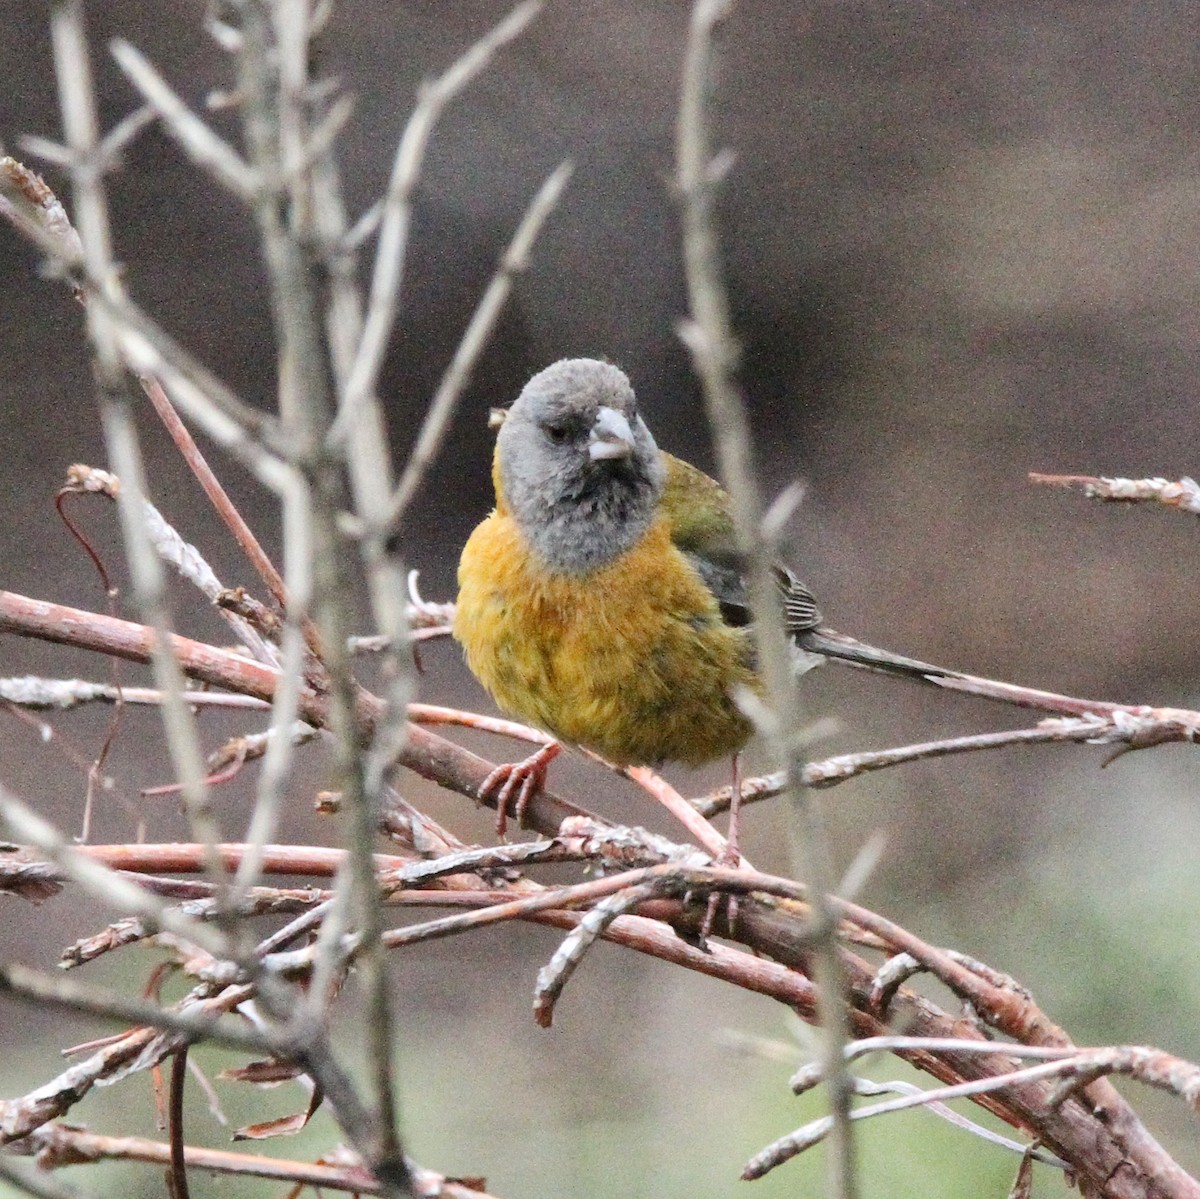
(831, 644)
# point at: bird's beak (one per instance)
(611, 437)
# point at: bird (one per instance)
(603, 599)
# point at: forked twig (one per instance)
(1076, 1067)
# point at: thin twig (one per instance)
(1135, 730)
(62, 1143)
(214, 489)
(274, 59)
(765, 786)
(1077, 1067)
(178, 1171)
(483, 321)
(186, 559)
(61, 695)
(125, 131)
(81, 126)
(436, 714)
(662, 791)
(212, 155)
(61, 992)
(709, 336)
(1183, 493)
(397, 207)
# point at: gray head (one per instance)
(580, 472)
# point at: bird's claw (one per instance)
(519, 780)
(728, 857)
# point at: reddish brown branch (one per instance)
(427, 754)
(61, 1145)
(1096, 1147)
(178, 1174)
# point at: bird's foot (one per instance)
(731, 858)
(520, 781)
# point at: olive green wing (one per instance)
(702, 529)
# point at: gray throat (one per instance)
(580, 534)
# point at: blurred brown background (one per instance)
(962, 244)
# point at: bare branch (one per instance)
(1134, 728)
(1183, 494)
(709, 336)
(397, 205)
(63, 1144)
(483, 321)
(198, 140)
(1076, 1067)
(171, 548)
(36, 211)
(61, 695)
(81, 125)
(107, 886)
(193, 1022)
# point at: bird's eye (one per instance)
(558, 432)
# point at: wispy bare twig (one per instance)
(514, 260)
(710, 337)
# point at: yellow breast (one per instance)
(633, 660)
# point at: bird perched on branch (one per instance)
(603, 601)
